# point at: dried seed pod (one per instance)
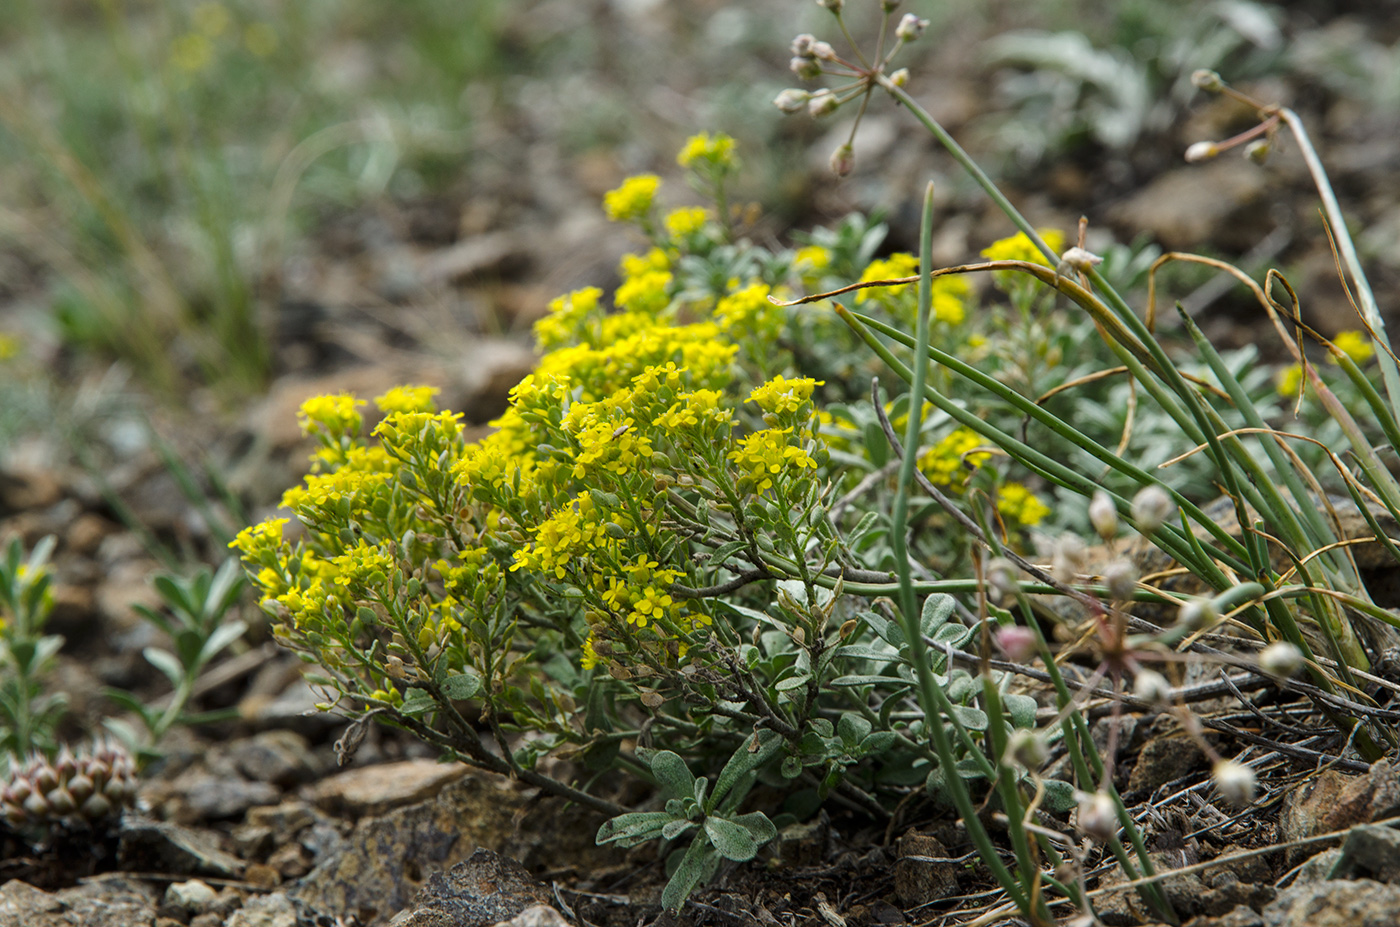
(89, 785)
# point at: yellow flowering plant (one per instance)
(652, 542)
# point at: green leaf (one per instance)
(859, 652)
(698, 859)
(791, 767)
(672, 775)
(765, 744)
(792, 682)
(461, 686)
(166, 662)
(938, 608)
(757, 823)
(974, 719)
(733, 841)
(1059, 795)
(1021, 708)
(221, 637)
(876, 446)
(628, 830)
(878, 742)
(865, 681)
(675, 827)
(417, 702)
(853, 728)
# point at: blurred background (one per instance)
(210, 210)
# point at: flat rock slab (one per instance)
(484, 890)
(113, 901)
(373, 790)
(159, 846)
(386, 859)
(1335, 903)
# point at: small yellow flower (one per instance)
(633, 199)
(335, 415)
(780, 395)
(9, 346)
(1020, 248)
(211, 18)
(686, 221)
(1017, 503)
(1288, 380)
(945, 464)
(1356, 345)
(811, 260)
(717, 149)
(408, 399)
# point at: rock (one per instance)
(192, 897)
(279, 757)
(1335, 903)
(1242, 916)
(483, 891)
(1333, 802)
(385, 859)
(218, 798)
(274, 910)
(104, 901)
(1319, 868)
(1164, 759)
(159, 846)
(802, 844)
(1213, 893)
(537, 915)
(374, 790)
(922, 872)
(1189, 206)
(1371, 852)
(285, 820)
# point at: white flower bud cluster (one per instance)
(910, 27)
(88, 784)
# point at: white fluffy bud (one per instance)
(1198, 614)
(910, 27)
(1152, 687)
(822, 103)
(1207, 80)
(1281, 659)
(805, 68)
(792, 100)
(1098, 816)
(1235, 782)
(1151, 508)
(1103, 515)
(1079, 260)
(1120, 577)
(900, 78)
(1202, 151)
(1027, 748)
(843, 160)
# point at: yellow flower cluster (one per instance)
(946, 463)
(633, 199)
(332, 416)
(781, 395)
(686, 221)
(1019, 247)
(767, 456)
(1356, 345)
(748, 313)
(1017, 503)
(408, 399)
(570, 318)
(717, 150)
(950, 294)
(645, 280)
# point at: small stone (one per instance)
(376, 789)
(1335, 903)
(262, 875)
(279, 757)
(285, 819)
(207, 920)
(193, 897)
(159, 846)
(1163, 760)
(802, 844)
(482, 891)
(218, 798)
(169, 922)
(252, 841)
(1370, 851)
(274, 910)
(537, 915)
(290, 860)
(922, 873)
